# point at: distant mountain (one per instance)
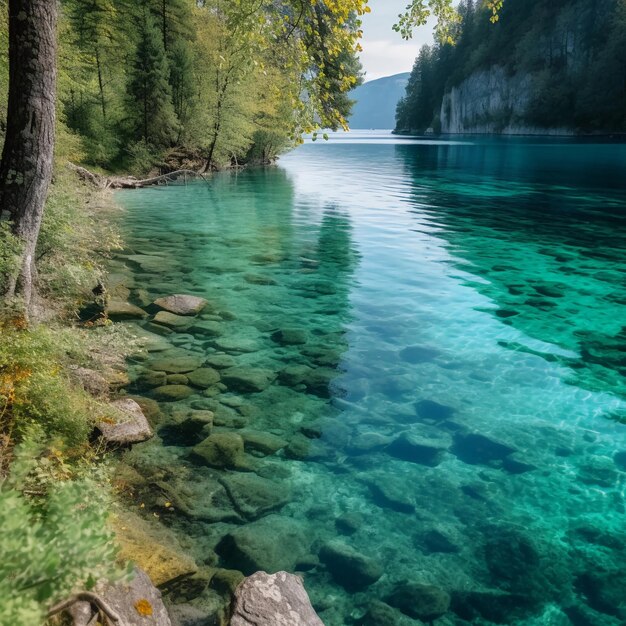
(376, 102)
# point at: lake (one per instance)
(415, 355)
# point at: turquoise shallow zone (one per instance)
(441, 331)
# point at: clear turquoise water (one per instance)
(466, 297)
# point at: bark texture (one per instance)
(26, 168)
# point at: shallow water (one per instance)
(459, 308)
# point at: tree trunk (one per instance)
(26, 168)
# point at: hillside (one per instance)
(376, 101)
(546, 67)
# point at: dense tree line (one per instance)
(573, 51)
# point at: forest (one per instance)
(568, 57)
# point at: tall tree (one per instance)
(26, 168)
(150, 98)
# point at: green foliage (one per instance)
(50, 546)
(573, 54)
(73, 244)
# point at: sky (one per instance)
(384, 51)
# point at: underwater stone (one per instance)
(119, 311)
(150, 408)
(204, 377)
(349, 523)
(318, 381)
(290, 337)
(418, 354)
(368, 442)
(207, 328)
(349, 568)
(175, 322)
(247, 379)
(416, 449)
(178, 365)
(476, 449)
(172, 393)
(262, 442)
(152, 378)
(273, 600)
(436, 541)
(490, 604)
(235, 344)
(220, 450)
(431, 410)
(381, 614)
(598, 470)
(391, 494)
(294, 375)
(620, 460)
(177, 379)
(271, 544)
(221, 361)
(182, 304)
(259, 279)
(254, 496)
(419, 600)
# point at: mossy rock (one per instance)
(204, 377)
(221, 450)
(172, 393)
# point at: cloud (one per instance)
(383, 57)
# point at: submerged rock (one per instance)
(235, 345)
(381, 614)
(254, 496)
(294, 375)
(178, 364)
(273, 600)
(476, 449)
(433, 411)
(290, 337)
(204, 377)
(171, 320)
(391, 493)
(271, 544)
(132, 426)
(119, 311)
(416, 449)
(262, 442)
(207, 328)
(151, 378)
(418, 354)
(220, 361)
(247, 379)
(172, 393)
(349, 568)
(419, 600)
(220, 450)
(182, 304)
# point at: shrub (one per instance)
(9, 253)
(52, 547)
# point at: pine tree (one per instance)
(150, 107)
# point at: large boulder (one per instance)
(348, 567)
(416, 449)
(271, 544)
(130, 427)
(273, 600)
(181, 304)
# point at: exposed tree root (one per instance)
(94, 600)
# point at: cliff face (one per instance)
(492, 101)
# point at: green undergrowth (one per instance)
(55, 491)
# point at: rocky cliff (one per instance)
(492, 101)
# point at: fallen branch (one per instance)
(130, 182)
